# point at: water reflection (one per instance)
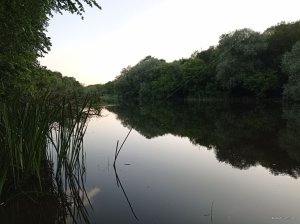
(241, 134)
(62, 199)
(53, 192)
(119, 182)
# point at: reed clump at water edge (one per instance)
(42, 158)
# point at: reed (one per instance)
(39, 132)
(66, 149)
(23, 139)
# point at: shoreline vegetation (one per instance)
(245, 64)
(43, 118)
(43, 114)
(42, 159)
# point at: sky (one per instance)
(95, 50)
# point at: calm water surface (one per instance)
(196, 163)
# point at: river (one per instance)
(194, 163)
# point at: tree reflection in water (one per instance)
(241, 134)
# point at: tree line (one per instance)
(23, 39)
(245, 63)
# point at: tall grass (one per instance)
(41, 150)
(23, 139)
(66, 149)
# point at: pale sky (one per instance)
(95, 50)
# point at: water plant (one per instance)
(41, 155)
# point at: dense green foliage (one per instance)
(42, 120)
(291, 66)
(23, 39)
(245, 63)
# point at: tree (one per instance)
(291, 66)
(208, 56)
(123, 84)
(262, 84)
(280, 39)
(241, 65)
(23, 36)
(170, 82)
(131, 82)
(72, 6)
(23, 26)
(195, 76)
